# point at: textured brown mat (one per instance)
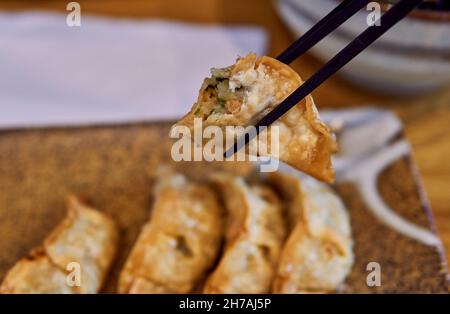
(109, 166)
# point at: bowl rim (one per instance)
(437, 16)
(430, 15)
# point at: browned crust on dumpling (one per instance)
(85, 236)
(36, 274)
(255, 233)
(179, 244)
(318, 253)
(306, 143)
(290, 190)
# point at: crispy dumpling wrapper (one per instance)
(179, 244)
(318, 254)
(85, 236)
(254, 236)
(243, 93)
(36, 274)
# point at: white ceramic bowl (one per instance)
(412, 57)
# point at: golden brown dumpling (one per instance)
(85, 236)
(179, 244)
(254, 237)
(243, 93)
(318, 253)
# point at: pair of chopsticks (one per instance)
(325, 26)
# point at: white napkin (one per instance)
(108, 70)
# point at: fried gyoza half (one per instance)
(85, 237)
(179, 244)
(317, 255)
(254, 236)
(243, 93)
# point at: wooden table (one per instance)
(427, 118)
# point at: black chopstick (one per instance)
(389, 19)
(330, 22)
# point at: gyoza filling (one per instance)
(218, 97)
(244, 94)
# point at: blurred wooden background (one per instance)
(426, 118)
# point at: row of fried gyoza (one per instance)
(282, 234)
